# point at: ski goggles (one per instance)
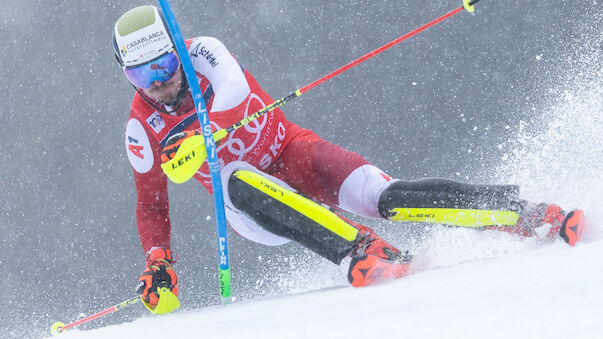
(161, 69)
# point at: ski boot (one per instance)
(374, 261)
(549, 220)
(573, 226)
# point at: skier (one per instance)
(272, 154)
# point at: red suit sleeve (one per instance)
(152, 209)
(152, 203)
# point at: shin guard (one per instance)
(292, 216)
(451, 203)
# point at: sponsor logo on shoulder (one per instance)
(202, 52)
(138, 146)
(134, 147)
(156, 122)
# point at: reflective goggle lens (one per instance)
(160, 69)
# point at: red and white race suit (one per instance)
(270, 144)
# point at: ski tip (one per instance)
(573, 227)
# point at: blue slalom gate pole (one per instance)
(210, 146)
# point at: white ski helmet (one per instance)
(141, 35)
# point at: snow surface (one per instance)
(528, 290)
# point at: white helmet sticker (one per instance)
(144, 43)
(138, 147)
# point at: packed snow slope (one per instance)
(528, 290)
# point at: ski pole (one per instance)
(59, 327)
(467, 5)
(210, 146)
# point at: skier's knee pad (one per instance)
(290, 215)
(450, 202)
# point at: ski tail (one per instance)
(573, 227)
